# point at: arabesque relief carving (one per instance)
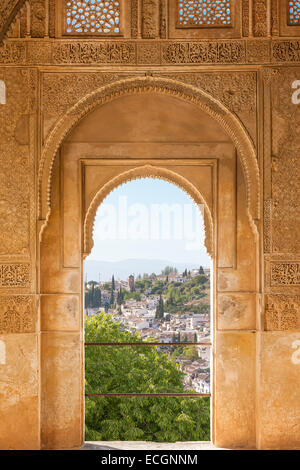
(285, 274)
(268, 225)
(17, 314)
(213, 52)
(285, 162)
(286, 51)
(38, 15)
(236, 90)
(63, 90)
(260, 25)
(282, 313)
(150, 19)
(16, 183)
(94, 52)
(119, 52)
(15, 275)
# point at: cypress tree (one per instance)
(113, 283)
(160, 309)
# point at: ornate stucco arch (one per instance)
(146, 171)
(228, 121)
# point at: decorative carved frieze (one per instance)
(96, 52)
(285, 274)
(37, 54)
(148, 53)
(78, 51)
(282, 312)
(258, 51)
(15, 275)
(286, 51)
(17, 314)
(202, 52)
(13, 53)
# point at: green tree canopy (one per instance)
(140, 370)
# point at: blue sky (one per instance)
(137, 203)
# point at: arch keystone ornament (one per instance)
(228, 121)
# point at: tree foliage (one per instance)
(159, 314)
(168, 270)
(132, 369)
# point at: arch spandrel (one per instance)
(228, 121)
(146, 171)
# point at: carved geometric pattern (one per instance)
(92, 17)
(282, 312)
(285, 274)
(14, 275)
(197, 13)
(294, 12)
(17, 314)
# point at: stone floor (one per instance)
(140, 445)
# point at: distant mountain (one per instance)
(123, 269)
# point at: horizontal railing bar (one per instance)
(148, 344)
(147, 394)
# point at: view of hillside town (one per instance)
(166, 308)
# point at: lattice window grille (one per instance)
(294, 13)
(197, 13)
(92, 17)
